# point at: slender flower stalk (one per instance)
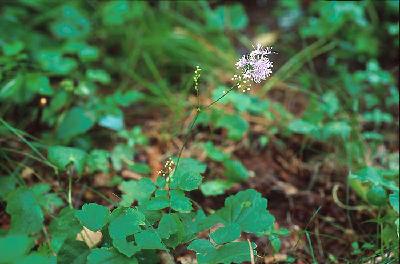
(256, 67)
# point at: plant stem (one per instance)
(222, 96)
(70, 190)
(311, 248)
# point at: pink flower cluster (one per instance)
(256, 65)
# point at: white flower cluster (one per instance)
(256, 65)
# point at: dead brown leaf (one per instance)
(154, 158)
(275, 258)
(101, 179)
(188, 259)
(89, 237)
(130, 175)
(27, 172)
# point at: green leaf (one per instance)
(234, 252)
(214, 153)
(187, 175)
(26, 215)
(49, 202)
(249, 210)
(302, 127)
(115, 13)
(12, 48)
(275, 242)
(377, 195)
(93, 216)
(127, 98)
(75, 122)
(108, 256)
(98, 75)
(121, 154)
(201, 246)
(374, 176)
(85, 51)
(114, 122)
(73, 252)
(37, 258)
(97, 160)
(229, 16)
(373, 136)
(62, 156)
(336, 128)
(70, 23)
(394, 201)
(7, 184)
(134, 136)
(53, 61)
(193, 223)
(141, 168)
(179, 201)
(169, 224)
(38, 83)
(13, 247)
(124, 225)
(13, 90)
(149, 239)
(377, 116)
(58, 101)
(64, 226)
(215, 187)
(242, 102)
(235, 170)
(331, 103)
(235, 125)
(226, 234)
(236, 16)
(140, 191)
(157, 203)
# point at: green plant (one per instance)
(235, 171)
(150, 216)
(80, 79)
(379, 187)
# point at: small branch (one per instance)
(222, 96)
(70, 188)
(251, 252)
(342, 205)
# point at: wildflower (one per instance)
(196, 77)
(241, 83)
(168, 168)
(256, 65)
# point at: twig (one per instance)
(69, 171)
(251, 252)
(222, 96)
(342, 205)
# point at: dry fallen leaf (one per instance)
(287, 188)
(130, 175)
(166, 258)
(89, 237)
(188, 259)
(275, 258)
(27, 172)
(101, 179)
(154, 158)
